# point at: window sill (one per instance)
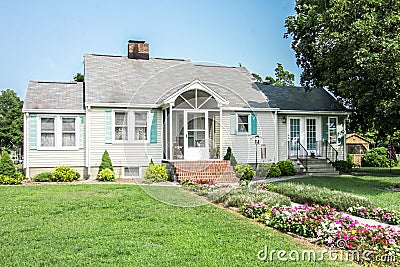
(116, 142)
(58, 148)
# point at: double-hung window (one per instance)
(243, 123)
(333, 134)
(131, 126)
(58, 132)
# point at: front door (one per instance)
(196, 135)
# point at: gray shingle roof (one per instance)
(297, 98)
(54, 95)
(117, 79)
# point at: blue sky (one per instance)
(46, 40)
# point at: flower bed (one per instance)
(380, 214)
(329, 227)
(203, 187)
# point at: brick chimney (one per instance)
(138, 50)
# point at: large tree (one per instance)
(283, 77)
(11, 119)
(352, 48)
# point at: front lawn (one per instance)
(122, 225)
(368, 182)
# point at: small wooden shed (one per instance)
(356, 146)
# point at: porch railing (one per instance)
(321, 149)
(331, 153)
(297, 150)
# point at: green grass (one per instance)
(122, 225)
(367, 182)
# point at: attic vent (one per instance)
(138, 50)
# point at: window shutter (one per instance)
(325, 128)
(81, 131)
(233, 123)
(253, 123)
(108, 127)
(33, 132)
(153, 129)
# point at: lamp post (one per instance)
(257, 142)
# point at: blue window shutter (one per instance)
(153, 129)
(253, 123)
(108, 127)
(81, 131)
(33, 132)
(233, 123)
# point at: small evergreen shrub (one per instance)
(105, 162)
(64, 174)
(286, 167)
(244, 172)
(43, 177)
(274, 171)
(106, 175)
(263, 169)
(156, 173)
(229, 156)
(376, 157)
(342, 166)
(7, 167)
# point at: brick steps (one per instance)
(220, 170)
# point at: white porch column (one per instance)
(220, 133)
(276, 145)
(170, 133)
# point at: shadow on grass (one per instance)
(381, 172)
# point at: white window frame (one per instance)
(249, 130)
(329, 130)
(123, 172)
(57, 132)
(131, 126)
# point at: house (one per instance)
(356, 146)
(140, 108)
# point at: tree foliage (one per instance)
(283, 77)
(106, 162)
(352, 48)
(79, 77)
(11, 119)
(7, 167)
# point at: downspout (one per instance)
(87, 145)
(25, 163)
(276, 137)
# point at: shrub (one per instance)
(105, 162)
(274, 171)
(244, 172)
(254, 210)
(7, 167)
(241, 196)
(106, 175)
(156, 173)
(261, 186)
(376, 157)
(286, 167)
(229, 156)
(309, 194)
(64, 174)
(263, 169)
(342, 166)
(43, 177)
(4, 179)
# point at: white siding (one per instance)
(282, 138)
(122, 154)
(52, 158)
(243, 146)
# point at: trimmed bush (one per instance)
(376, 157)
(64, 174)
(274, 171)
(263, 169)
(7, 167)
(105, 162)
(156, 173)
(4, 179)
(286, 167)
(106, 175)
(241, 196)
(244, 172)
(309, 194)
(342, 166)
(229, 156)
(43, 177)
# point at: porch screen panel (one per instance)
(311, 134)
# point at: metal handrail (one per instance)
(333, 154)
(300, 146)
